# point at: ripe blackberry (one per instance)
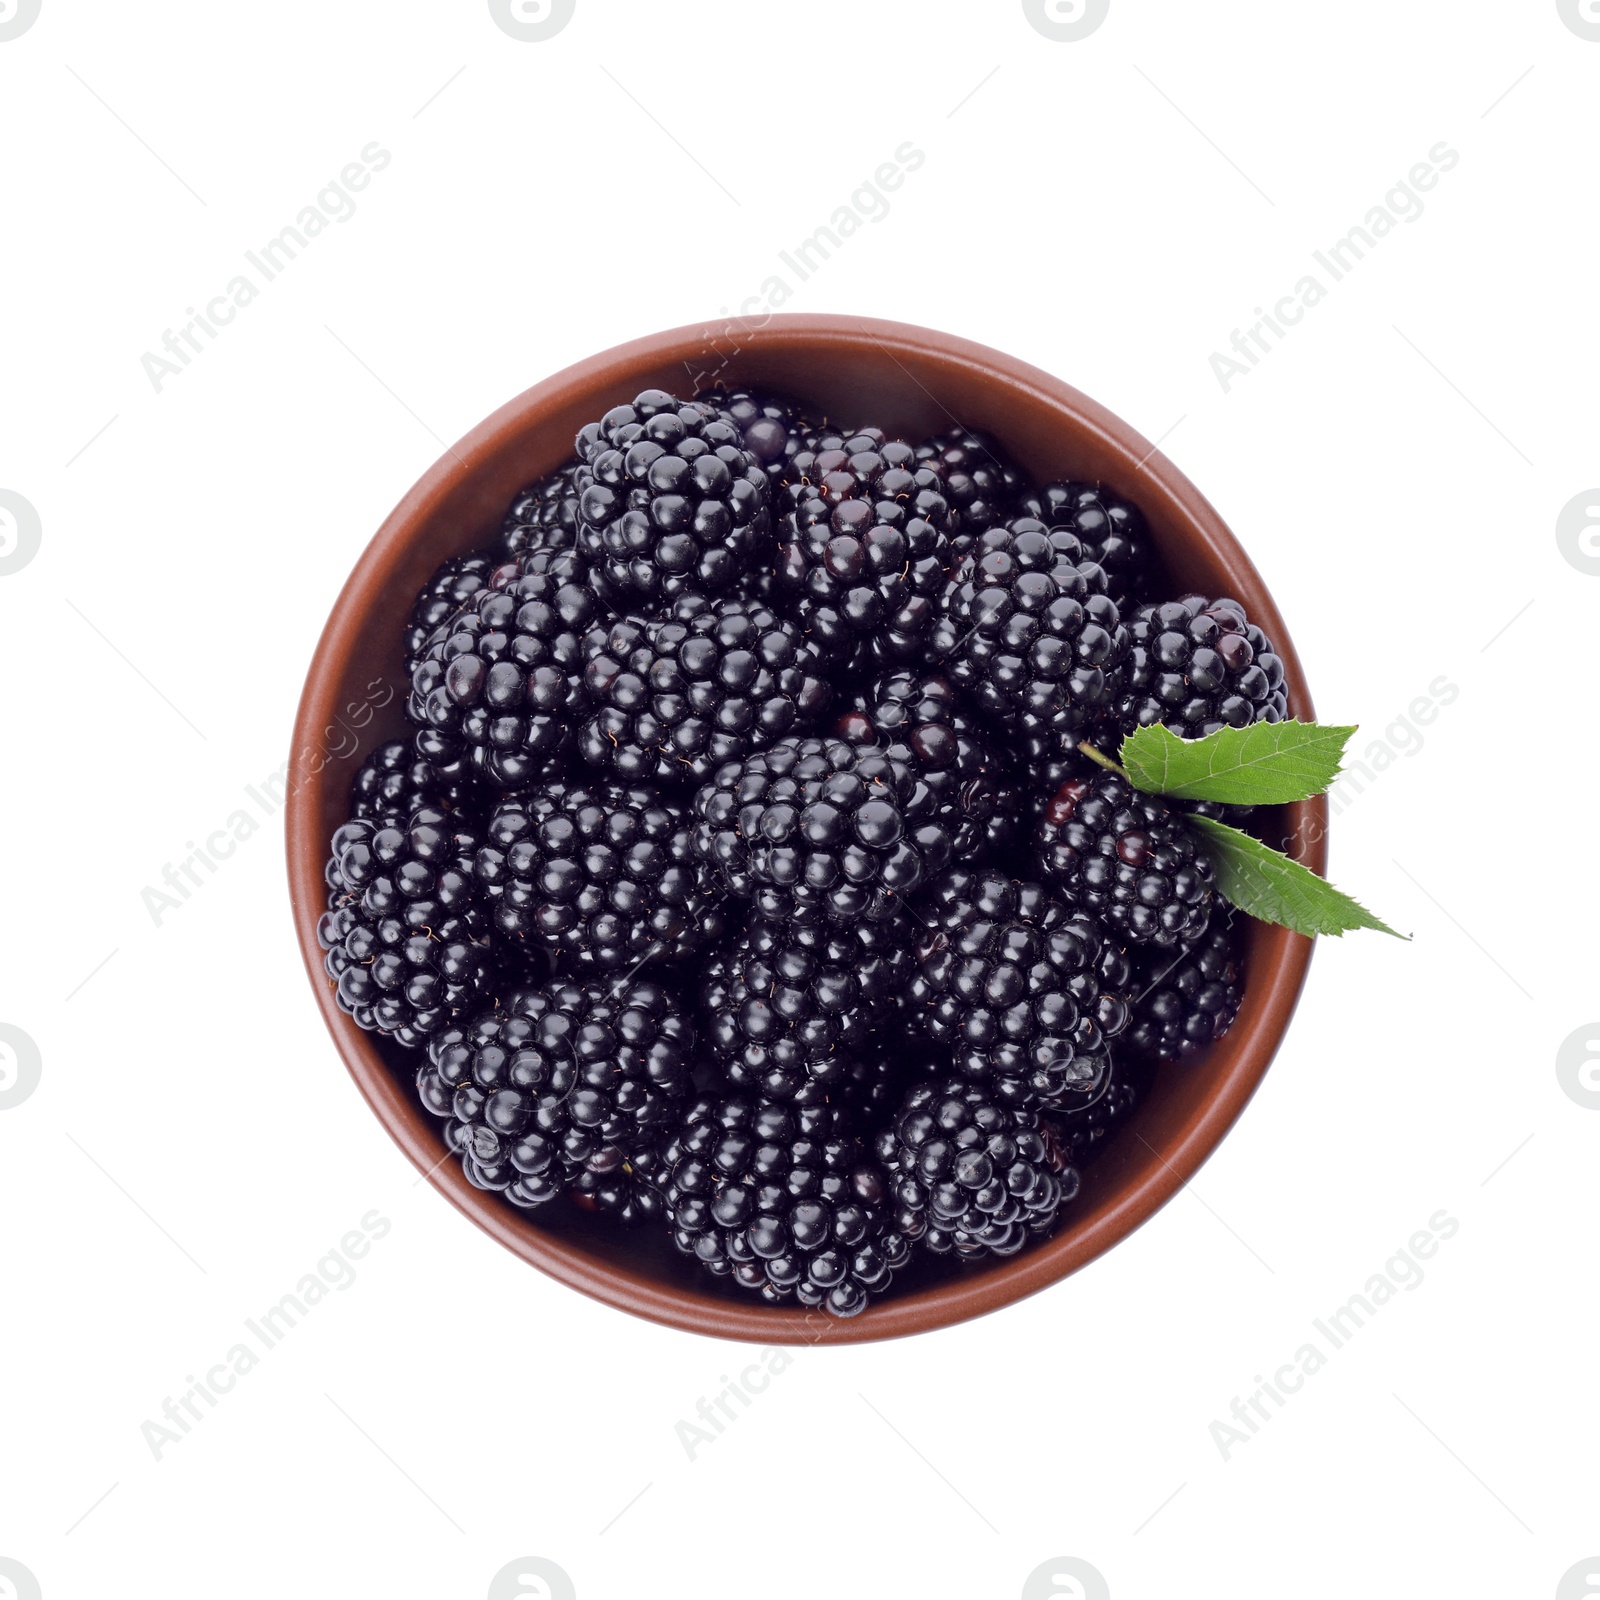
(773, 431)
(450, 588)
(1198, 665)
(1127, 858)
(500, 686)
(679, 695)
(566, 1087)
(918, 718)
(817, 829)
(971, 1175)
(670, 500)
(865, 545)
(395, 781)
(791, 1007)
(980, 483)
(1189, 1002)
(602, 874)
(1023, 990)
(781, 1200)
(1083, 1129)
(544, 516)
(1030, 633)
(405, 934)
(1112, 531)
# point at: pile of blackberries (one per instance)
(744, 875)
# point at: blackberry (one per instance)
(1112, 531)
(501, 683)
(670, 500)
(450, 588)
(817, 829)
(1190, 1001)
(1030, 633)
(792, 1007)
(970, 1175)
(918, 718)
(395, 781)
(1023, 990)
(1198, 665)
(679, 695)
(599, 873)
(1083, 1129)
(773, 431)
(783, 1201)
(544, 516)
(566, 1087)
(405, 933)
(1128, 858)
(865, 545)
(983, 487)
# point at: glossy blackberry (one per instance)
(395, 781)
(918, 718)
(501, 685)
(544, 516)
(1024, 991)
(1188, 1000)
(783, 1201)
(1112, 531)
(677, 696)
(405, 935)
(970, 1175)
(790, 1008)
(670, 500)
(1198, 665)
(566, 1087)
(982, 486)
(601, 874)
(774, 431)
(450, 588)
(818, 829)
(1083, 1129)
(865, 545)
(1030, 634)
(1127, 858)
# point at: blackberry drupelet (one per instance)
(791, 1008)
(1127, 858)
(1024, 991)
(677, 696)
(569, 1086)
(670, 501)
(1190, 1001)
(970, 1175)
(818, 829)
(405, 935)
(450, 588)
(984, 488)
(501, 684)
(1030, 634)
(395, 781)
(1083, 1130)
(782, 1200)
(918, 718)
(544, 516)
(601, 874)
(774, 431)
(1112, 531)
(1198, 665)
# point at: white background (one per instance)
(1396, 469)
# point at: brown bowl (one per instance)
(912, 382)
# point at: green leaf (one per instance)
(1266, 764)
(1269, 886)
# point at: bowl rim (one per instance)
(1279, 963)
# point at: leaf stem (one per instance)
(1103, 759)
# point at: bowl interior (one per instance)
(913, 383)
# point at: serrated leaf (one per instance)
(1272, 888)
(1266, 764)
